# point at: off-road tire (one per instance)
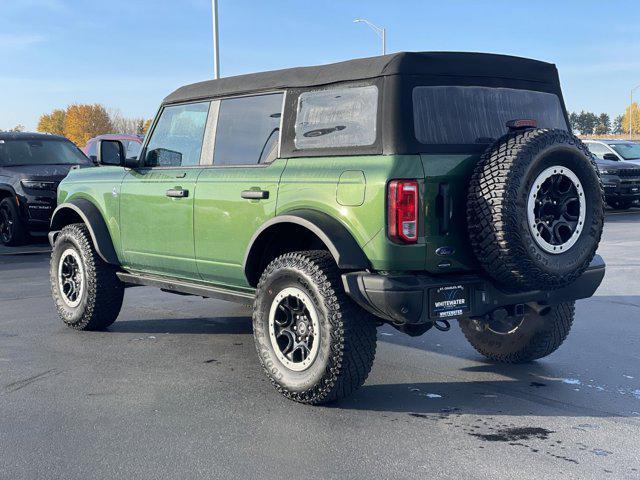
(19, 234)
(620, 204)
(497, 209)
(537, 336)
(348, 333)
(101, 299)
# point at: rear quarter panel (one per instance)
(312, 183)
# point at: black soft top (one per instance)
(453, 65)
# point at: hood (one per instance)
(618, 165)
(37, 172)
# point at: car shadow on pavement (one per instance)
(510, 397)
(215, 325)
(621, 216)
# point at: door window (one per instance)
(248, 130)
(176, 140)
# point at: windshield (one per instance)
(466, 115)
(628, 151)
(40, 152)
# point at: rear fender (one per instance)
(335, 236)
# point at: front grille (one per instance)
(629, 172)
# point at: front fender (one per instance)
(90, 215)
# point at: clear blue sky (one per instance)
(130, 54)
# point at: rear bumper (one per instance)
(408, 299)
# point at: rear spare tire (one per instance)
(535, 209)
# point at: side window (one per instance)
(597, 149)
(176, 140)
(337, 117)
(248, 130)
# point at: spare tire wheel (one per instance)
(535, 209)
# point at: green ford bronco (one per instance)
(410, 189)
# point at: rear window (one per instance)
(337, 117)
(467, 115)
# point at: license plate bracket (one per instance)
(449, 301)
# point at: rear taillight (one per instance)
(402, 215)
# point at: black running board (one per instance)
(186, 288)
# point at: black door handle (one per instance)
(177, 193)
(255, 194)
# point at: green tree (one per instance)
(617, 125)
(17, 128)
(573, 121)
(586, 122)
(604, 125)
(53, 122)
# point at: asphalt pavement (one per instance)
(174, 390)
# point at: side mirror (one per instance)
(163, 157)
(611, 156)
(111, 152)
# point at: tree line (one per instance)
(81, 122)
(588, 123)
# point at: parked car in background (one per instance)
(616, 150)
(31, 167)
(132, 144)
(619, 164)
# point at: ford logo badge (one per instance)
(445, 251)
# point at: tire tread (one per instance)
(353, 330)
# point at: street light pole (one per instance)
(631, 111)
(216, 54)
(380, 31)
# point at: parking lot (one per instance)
(174, 390)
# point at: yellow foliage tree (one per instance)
(52, 123)
(145, 127)
(83, 122)
(634, 111)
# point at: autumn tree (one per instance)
(52, 122)
(83, 122)
(144, 127)
(79, 123)
(632, 112)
